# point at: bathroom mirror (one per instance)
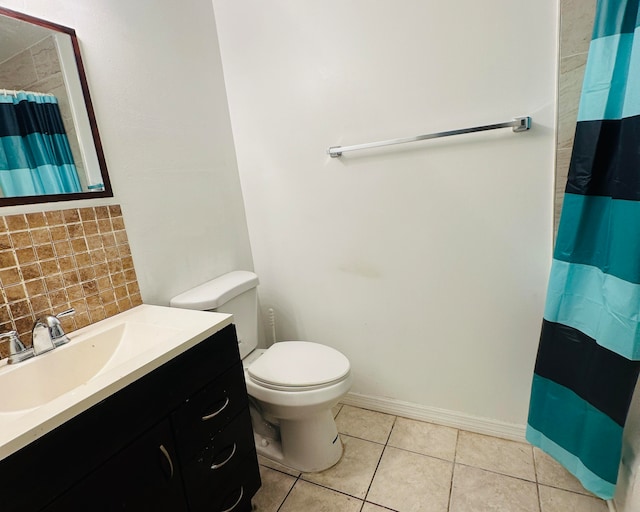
(42, 59)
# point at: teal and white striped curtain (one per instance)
(35, 156)
(589, 352)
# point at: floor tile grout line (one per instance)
(535, 472)
(538, 495)
(288, 493)
(361, 438)
(280, 471)
(329, 489)
(453, 470)
(366, 494)
(551, 486)
(535, 465)
(497, 473)
(393, 424)
(380, 506)
(421, 453)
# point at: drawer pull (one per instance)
(218, 466)
(215, 413)
(236, 503)
(168, 457)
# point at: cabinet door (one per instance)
(142, 477)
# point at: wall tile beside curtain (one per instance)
(576, 25)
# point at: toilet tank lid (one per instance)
(216, 292)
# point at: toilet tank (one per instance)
(233, 293)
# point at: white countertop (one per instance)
(182, 330)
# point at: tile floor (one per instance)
(396, 464)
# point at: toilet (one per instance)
(292, 385)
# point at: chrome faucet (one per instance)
(17, 351)
(48, 333)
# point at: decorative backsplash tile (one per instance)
(52, 261)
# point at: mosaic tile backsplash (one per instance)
(51, 261)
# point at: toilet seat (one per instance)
(299, 366)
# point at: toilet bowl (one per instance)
(292, 385)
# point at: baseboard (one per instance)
(445, 417)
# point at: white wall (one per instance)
(425, 264)
(155, 78)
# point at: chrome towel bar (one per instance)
(519, 124)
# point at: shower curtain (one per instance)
(588, 357)
(35, 156)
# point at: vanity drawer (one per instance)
(239, 491)
(224, 463)
(209, 411)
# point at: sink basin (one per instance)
(47, 376)
(40, 379)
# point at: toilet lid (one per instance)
(299, 364)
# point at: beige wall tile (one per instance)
(45, 58)
(18, 72)
(576, 27)
(569, 90)
(563, 159)
(576, 18)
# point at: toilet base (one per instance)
(309, 445)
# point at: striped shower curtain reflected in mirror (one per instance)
(35, 156)
(588, 357)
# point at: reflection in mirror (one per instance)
(50, 149)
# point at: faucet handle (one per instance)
(66, 312)
(17, 351)
(55, 328)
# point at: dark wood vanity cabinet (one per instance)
(177, 439)
(143, 476)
